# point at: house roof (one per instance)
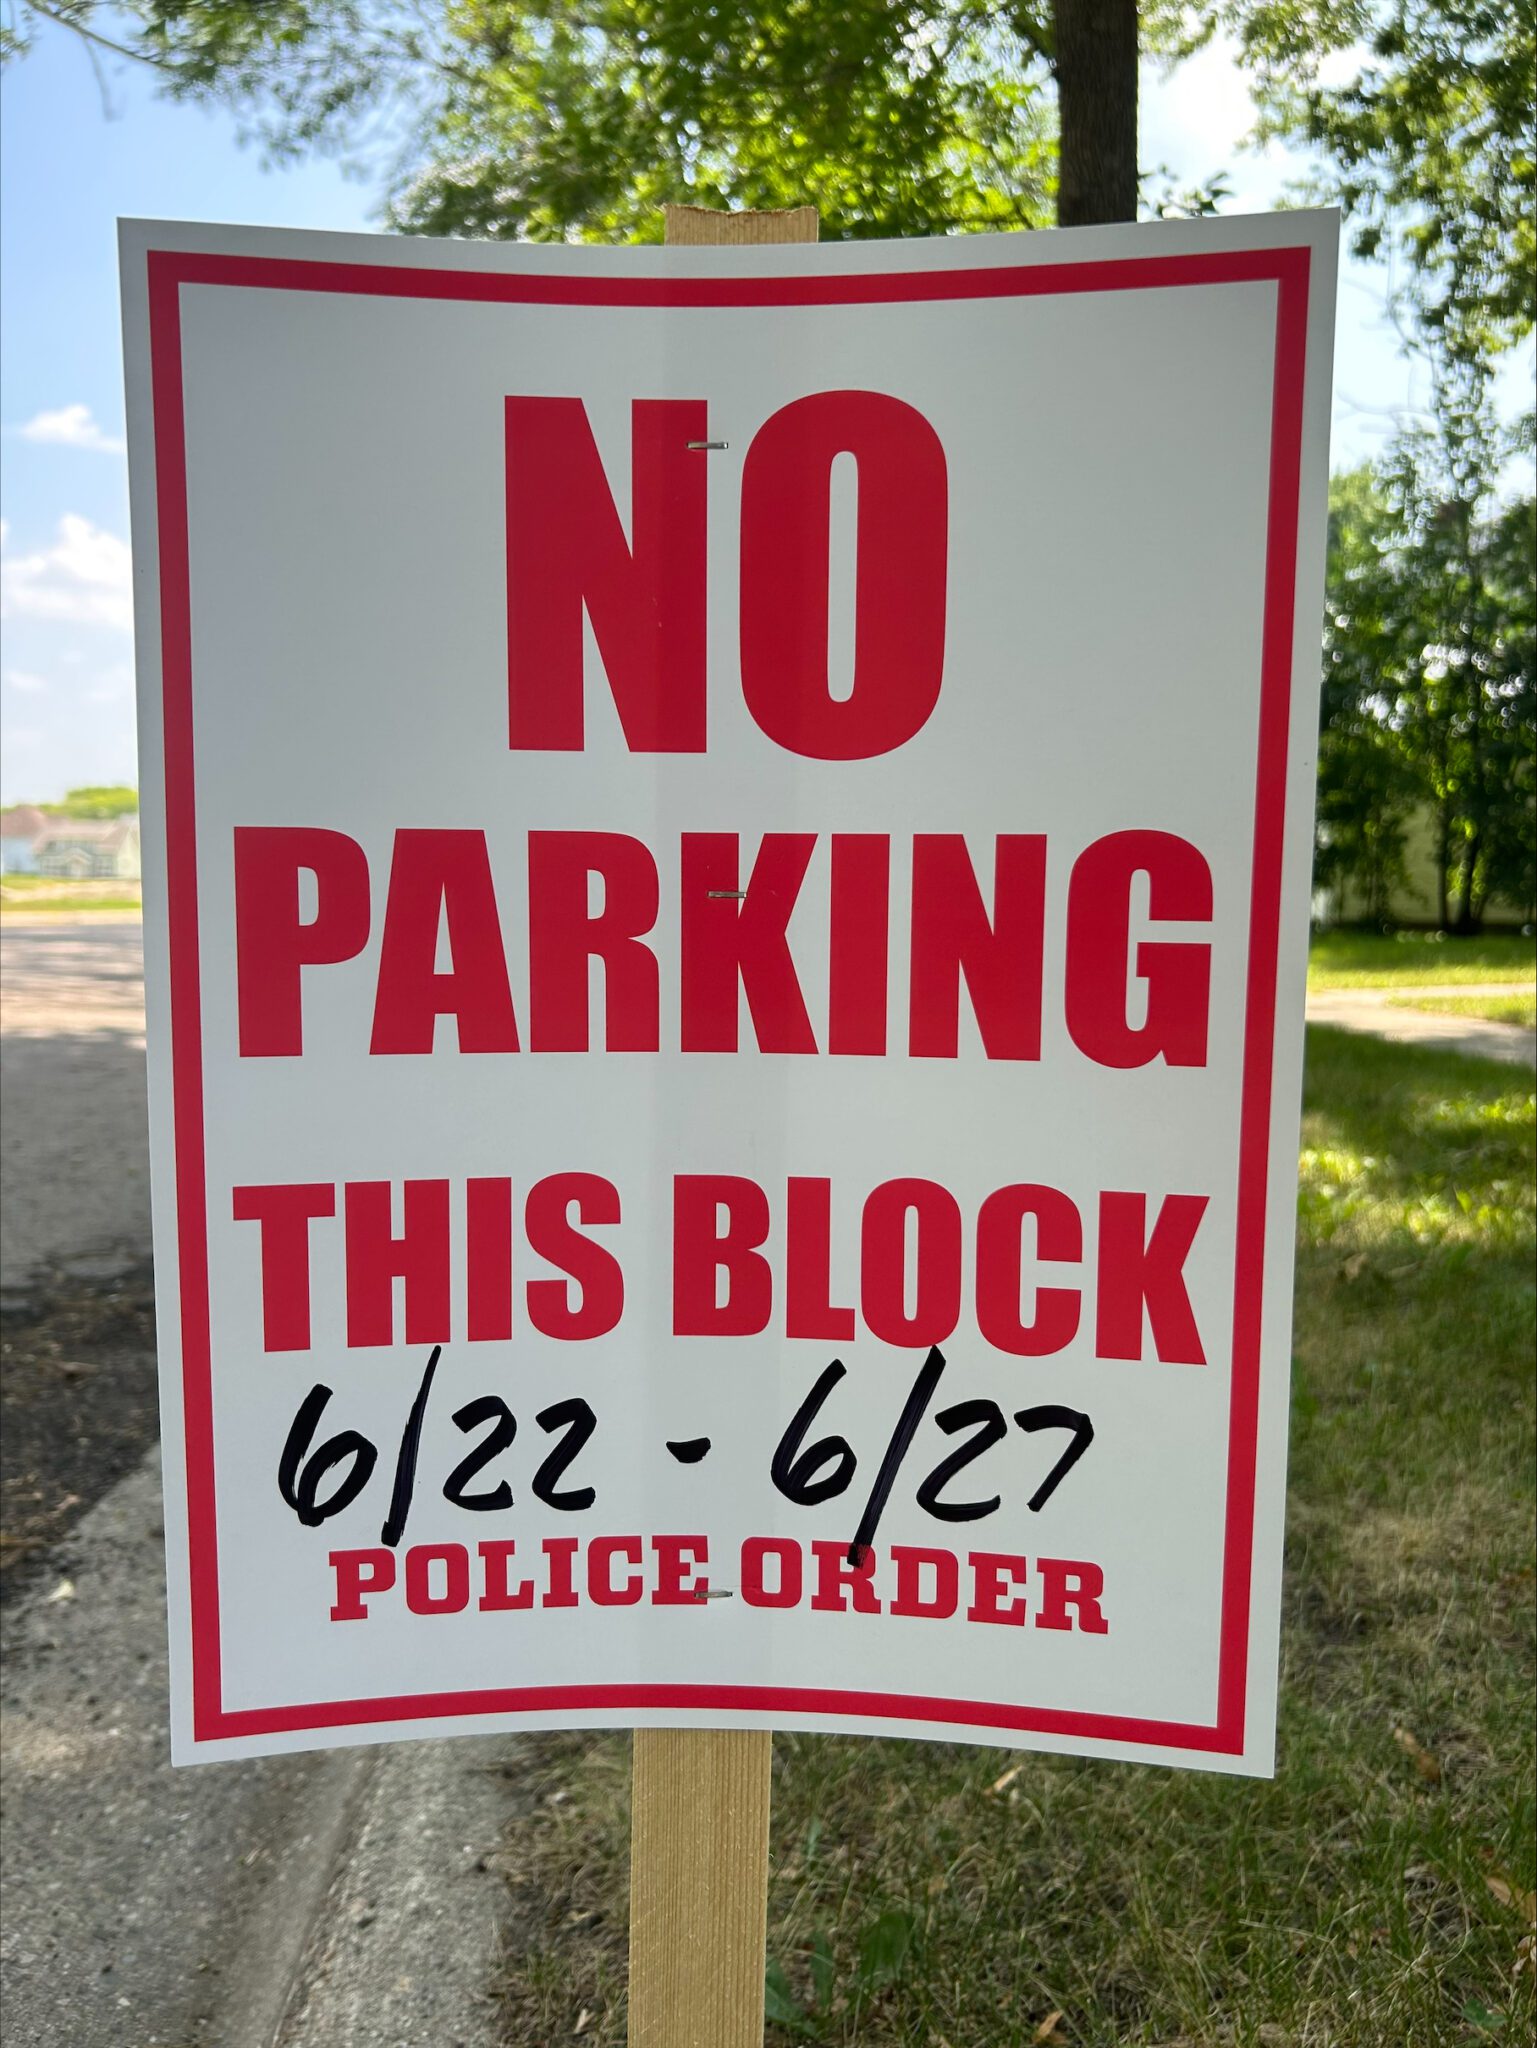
(107, 833)
(22, 821)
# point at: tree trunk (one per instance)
(1443, 899)
(1468, 919)
(1096, 63)
(1469, 913)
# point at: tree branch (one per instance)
(94, 36)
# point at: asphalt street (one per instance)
(74, 1147)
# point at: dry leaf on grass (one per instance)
(583, 2021)
(1047, 2030)
(1008, 1778)
(1509, 1894)
(1354, 1266)
(1419, 1756)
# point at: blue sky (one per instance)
(70, 168)
(72, 164)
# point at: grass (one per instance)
(1377, 1894)
(47, 895)
(1351, 959)
(1512, 1009)
(55, 906)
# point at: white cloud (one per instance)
(84, 577)
(23, 680)
(71, 426)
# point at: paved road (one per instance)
(74, 1162)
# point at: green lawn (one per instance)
(1344, 959)
(1378, 1893)
(46, 896)
(1511, 1009)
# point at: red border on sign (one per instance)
(168, 271)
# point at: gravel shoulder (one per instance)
(78, 1392)
(77, 1317)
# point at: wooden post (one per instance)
(706, 226)
(699, 1816)
(698, 1887)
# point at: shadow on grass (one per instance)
(1416, 1181)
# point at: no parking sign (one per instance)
(727, 852)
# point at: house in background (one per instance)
(1414, 898)
(88, 849)
(20, 828)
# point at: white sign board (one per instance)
(727, 843)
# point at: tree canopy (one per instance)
(1429, 145)
(96, 800)
(1430, 680)
(551, 119)
(580, 118)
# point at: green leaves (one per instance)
(567, 121)
(579, 119)
(884, 1948)
(1430, 143)
(780, 2006)
(1429, 703)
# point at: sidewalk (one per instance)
(1373, 1010)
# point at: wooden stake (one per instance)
(699, 1816)
(698, 1887)
(699, 226)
